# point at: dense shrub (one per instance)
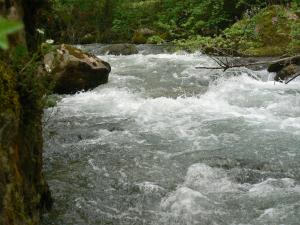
(274, 30)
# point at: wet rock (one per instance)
(120, 49)
(280, 64)
(287, 72)
(74, 70)
(285, 68)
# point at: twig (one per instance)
(209, 68)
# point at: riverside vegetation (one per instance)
(250, 28)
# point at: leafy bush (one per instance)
(274, 30)
(155, 40)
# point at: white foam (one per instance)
(206, 190)
(234, 115)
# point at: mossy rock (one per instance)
(120, 49)
(280, 64)
(287, 72)
(74, 70)
(142, 35)
(285, 68)
(138, 38)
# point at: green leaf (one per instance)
(7, 27)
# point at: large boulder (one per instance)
(74, 70)
(285, 68)
(120, 49)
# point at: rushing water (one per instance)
(165, 144)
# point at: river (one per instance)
(166, 144)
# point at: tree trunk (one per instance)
(24, 194)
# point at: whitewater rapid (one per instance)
(166, 144)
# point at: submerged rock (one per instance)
(75, 70)
(120, 49)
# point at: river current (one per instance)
(166, 144)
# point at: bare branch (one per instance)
(210, 68)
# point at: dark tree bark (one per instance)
(32, 18)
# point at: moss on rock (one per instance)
(138, 38)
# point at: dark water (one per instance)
(165, 144)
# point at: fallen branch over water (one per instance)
(274, 65)
(226, 64)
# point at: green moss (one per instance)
(138, 38)
(75, 51)
(8, 95)
(21, 179)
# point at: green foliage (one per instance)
(239, 26)
(178, 19)
(118, 20)
(76, 21)
(7, 27)
(155, 40)
(274, 30)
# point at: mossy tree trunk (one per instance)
(24, 194)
